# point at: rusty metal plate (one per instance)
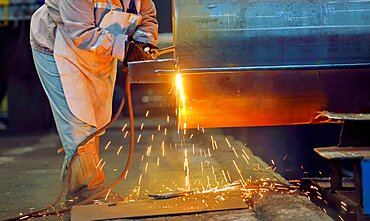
(343, 152)
(194, 203)
(272, 97)
(347, 116)
(262, 97)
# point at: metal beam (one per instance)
(233, 33)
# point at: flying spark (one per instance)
(245, 154)
(239, 171)
(227, 141)
(106, 147)
(245, 159)
(119, 150)
(99, 163)
(146, 167)
(138, 139)
(223, 173)
(106, 197)
(237, 156)
(124, 127)
(101, 168)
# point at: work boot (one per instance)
(87, 177)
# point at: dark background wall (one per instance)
(28, 109)
(164, 15)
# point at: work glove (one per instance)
(138, 51)
(151, 50)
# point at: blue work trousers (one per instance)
(71, 129)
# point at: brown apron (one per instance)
(87, 78)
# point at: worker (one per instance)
(76, 45)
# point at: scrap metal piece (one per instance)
(346, 116)
(169, 195)
(332, 153)
(271, 205)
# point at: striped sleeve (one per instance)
(147, 32)
(79, 24)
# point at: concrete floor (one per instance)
(30, 167)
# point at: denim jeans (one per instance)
(71, 129)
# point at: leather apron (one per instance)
(87, 78)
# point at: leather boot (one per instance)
(87, 177)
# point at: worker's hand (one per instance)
(138, 51)
(150, 49)
(135, 52)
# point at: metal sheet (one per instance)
(267, 98)
(265, 63)
(233, 33)
(332, 153)
(262, 97)
(150, 208)
(345, 116)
